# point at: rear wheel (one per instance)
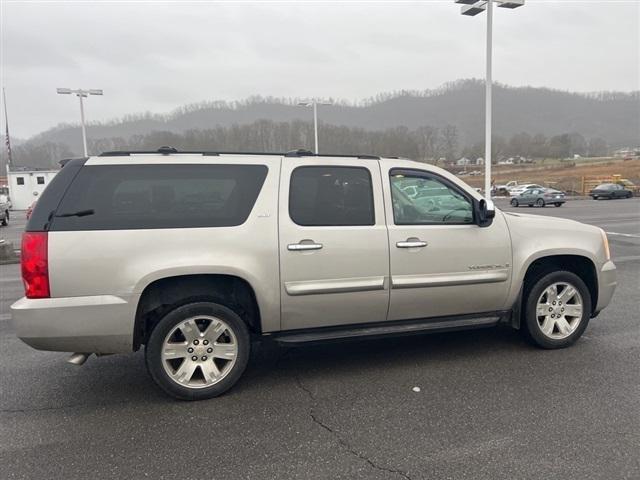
(540, 202)
(514, 202)
(198, 351)
(558, 204)
(557, 309)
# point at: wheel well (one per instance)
(581, 266)
(166, 294)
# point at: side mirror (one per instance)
(486, 212)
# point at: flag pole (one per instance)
(7, 140)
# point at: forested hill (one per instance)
(608, 116)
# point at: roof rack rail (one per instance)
(166, 150)
(300, 152)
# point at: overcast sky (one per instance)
(155, 56)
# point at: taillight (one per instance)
(35, 264)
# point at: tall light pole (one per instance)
(314, 104)
(472, 8)
(81, 94)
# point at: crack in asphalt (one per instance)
(343, 443)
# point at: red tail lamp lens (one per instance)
(35, 264)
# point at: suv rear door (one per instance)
(334, 255)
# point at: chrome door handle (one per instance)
(304, 246)
(411, 243)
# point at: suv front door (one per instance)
(442, 262)
(334, 254)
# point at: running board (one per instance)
(387, 328)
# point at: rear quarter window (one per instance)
(116, 197)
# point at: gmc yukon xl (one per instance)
(192, 254)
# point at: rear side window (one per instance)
(331, 196)
(116, 197)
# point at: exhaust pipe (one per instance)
(78, 358)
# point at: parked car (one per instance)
(5, 206)
(540, 197)
(503, 189)
(514, 192)
(30, 209)
(293, 247)
(610, 191)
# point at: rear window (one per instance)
(116, 197)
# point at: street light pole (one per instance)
(472, 8)
(314, 104)
(488, 103)
(84, 130)
(80, 93)
(315, 125)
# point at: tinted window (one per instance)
(114, 197)
(40, 180)
(436, 201)
(20, 180)
(331, 196)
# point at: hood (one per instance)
(541, 224)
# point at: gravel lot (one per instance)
(489, 405)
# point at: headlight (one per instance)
(605, 242)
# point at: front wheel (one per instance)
(557, 308)
(514, 202)
(198, 351)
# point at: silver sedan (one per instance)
(540, 197)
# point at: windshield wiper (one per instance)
(79, 213)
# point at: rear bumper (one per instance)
(91, 324)
(607, 283)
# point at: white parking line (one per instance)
(623, 234)
(4, 317)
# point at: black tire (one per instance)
(153, 350)
(514, 202)
(5, 220)
(558, 204)
(530, 325)
(540, 203)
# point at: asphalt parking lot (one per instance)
(489, 405)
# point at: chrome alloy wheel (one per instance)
(559, 310)
(199, 351)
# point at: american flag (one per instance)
(7, 139)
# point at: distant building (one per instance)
(479, 161)
(26, 185)
(463, 162)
